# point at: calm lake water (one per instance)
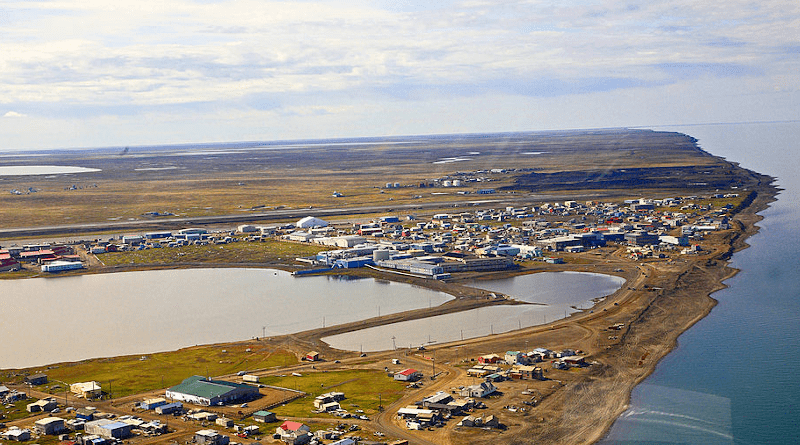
(31, 170)
(733, 377)
(557, 292)
(47, 320)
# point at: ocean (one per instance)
(733, 379)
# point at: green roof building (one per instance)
(203, 391)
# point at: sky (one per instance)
(95, 73)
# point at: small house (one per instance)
(313, 356)
(408, 375)
(483, 389)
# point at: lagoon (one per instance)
(50, 320)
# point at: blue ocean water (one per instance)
(734, 377)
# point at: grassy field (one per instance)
(361, 387)
(128, 375)
(166, 180)
(269, 251)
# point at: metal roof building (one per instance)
(202, 391)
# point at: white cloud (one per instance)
(130, 59)
(13, 114)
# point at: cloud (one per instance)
(13, 114)
(192, 58)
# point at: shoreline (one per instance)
(748, 219)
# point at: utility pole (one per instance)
(394, 346)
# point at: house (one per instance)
(483, 389)
(328, 401)
(15, 433)
(36, 379)
(512, 357)
(264, 416)
(210, 437)
(154, 403)
(49, 426)
(524, 372)
(313, 356)
(109, 429)
(294, 433)
(408, 375)
(489, 359)
(205, 391)
(169, 408)
(489, 421)
(87, 390)
(45, 405)
(85, 413)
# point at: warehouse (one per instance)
(108, 429)
(202, 391)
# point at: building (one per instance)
(36, 379)
(408, 375)
(203, 391)
(524, 372)
(17, 434)
(61, 265)
(49, 426)
(313, 356)
(210, 437)
(264, 416)
(294, 433)
(87, 390)
(152, 403)
(311, 221)
(43, 405)
(109, 429)
(641, 238)
(169, 408)
(483, 389)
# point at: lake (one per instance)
(31, 170)
(556, 293)
(732, 379)
(49, 320)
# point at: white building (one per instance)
(311, 221)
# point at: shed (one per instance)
(264, 416)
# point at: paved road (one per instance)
(272, 215)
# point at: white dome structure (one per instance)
(311, 221)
